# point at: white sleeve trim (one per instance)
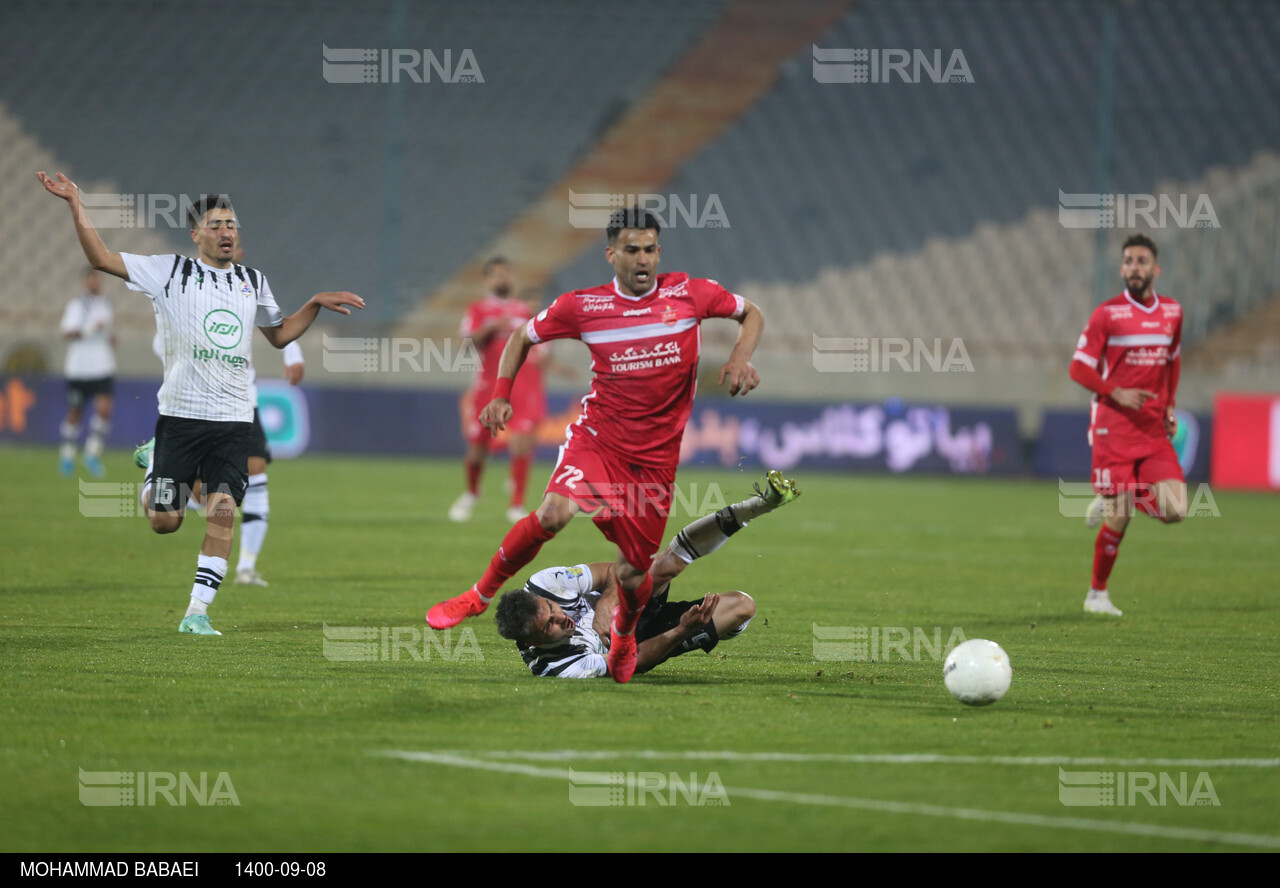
(589, 666)
(1087, 360)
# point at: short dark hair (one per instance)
(517, 614)
(206, 203)
(494, 262)
(630, 217)
(1140, 240)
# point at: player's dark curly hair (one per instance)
(207, 202)
(1140, 240)
(630, 217)
(516, 613)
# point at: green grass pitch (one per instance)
(810, 754)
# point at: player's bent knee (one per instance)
(555, 516)
(738, 615)
(165, 522)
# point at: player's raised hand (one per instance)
(700, 614)
(496, 414)
(741, 375)
(1132, 398)
(338, 301)
(61, 186)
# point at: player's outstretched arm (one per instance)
(94, 249)
(742, 377)
(297, 323)
(497, 413)
(653, 651)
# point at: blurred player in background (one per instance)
(90, 370)
(489, 323)
(620, 456)
(1129, 357)
(559, 618)
(204, 307)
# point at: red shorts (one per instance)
(633, 500)
(528, 406)
(1115, 472)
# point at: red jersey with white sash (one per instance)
(644, 354)
(1131, 345)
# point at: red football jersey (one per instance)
(513, 313)
(1133, 346)
(644, 356)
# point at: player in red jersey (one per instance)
(489, 323)
(620, 456)
(1128, 356)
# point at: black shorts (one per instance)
(82, 391)
(259, 448)
(662, 616)
(215, 452)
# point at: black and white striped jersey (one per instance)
(582, 655)
(205, 318)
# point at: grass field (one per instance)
(811, 754)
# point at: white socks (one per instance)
(253, 523)
(210, 571)
(98, 428)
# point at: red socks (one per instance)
(519, 547)
(475, 469)
(1105, 549)
(631, 604)
(519, 477)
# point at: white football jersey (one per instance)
(582, 655)
(90, 356)
(205, 318)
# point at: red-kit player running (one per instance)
(1128, 356)
(620, 456)
(488, 323)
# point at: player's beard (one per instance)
(502, 290)
(1141, 288)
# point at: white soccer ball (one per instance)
(977, 672)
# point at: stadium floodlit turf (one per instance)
(393, 742)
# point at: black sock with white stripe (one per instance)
(210, 571)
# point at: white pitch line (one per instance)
(568, 755)
(890, 807)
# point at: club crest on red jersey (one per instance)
(670, 315)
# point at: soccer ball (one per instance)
(977, 672)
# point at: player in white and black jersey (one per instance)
(256, 506)
(206, 308)
(560, 619)
(90, 371)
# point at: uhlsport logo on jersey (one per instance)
(885, 65)
(399, 66)
(1129, 210)
(1119, 789)
(147, 789)
(595, 210)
